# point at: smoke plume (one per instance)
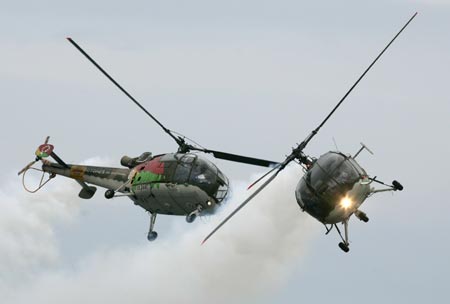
(246, 261)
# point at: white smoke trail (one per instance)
(246, 261)
(27, 241)
(26, 233)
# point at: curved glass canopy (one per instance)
(191, 169)
(327, 182)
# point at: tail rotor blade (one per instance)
(27, 167)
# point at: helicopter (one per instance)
(179, 183)
(334, 185)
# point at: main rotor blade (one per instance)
(178, 140)
(181, 143)
(267, 182)
(241, 159)
(313, 133)
(262, 177)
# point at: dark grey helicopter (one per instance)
(334, 186)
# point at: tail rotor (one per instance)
(43, 151)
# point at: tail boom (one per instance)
(109, 178)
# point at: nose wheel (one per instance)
(109, 194)
(193, 215)
(152, 235)
(190, 218)
(344, 247)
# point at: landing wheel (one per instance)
(109, 194)
(151, 236)
(344, 247)
(397, 185)
(191, 217)
(364, 218)
(361, 216)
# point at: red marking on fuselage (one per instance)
(155, 166)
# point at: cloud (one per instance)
(246, 260)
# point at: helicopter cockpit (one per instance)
(327, 182)
(191, 169)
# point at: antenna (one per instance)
(335, 144)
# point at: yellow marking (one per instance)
(77, 172)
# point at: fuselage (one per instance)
(333, 188)
(177, 183)
(173, 183)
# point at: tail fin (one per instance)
(45, 150)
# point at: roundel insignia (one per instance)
(44, 150)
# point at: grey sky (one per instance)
(251, 78)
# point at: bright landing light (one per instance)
(346, 202)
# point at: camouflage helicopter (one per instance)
(334, 186)
(180, 183)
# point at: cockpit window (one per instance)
(183, 167)
(223, 186)
(202, 173)
(208, 177)
(190, 169)
(330, 172)
(188, 158)
(358, 168)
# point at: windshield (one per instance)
(190, 169)
(209, 178)
(332, 175)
